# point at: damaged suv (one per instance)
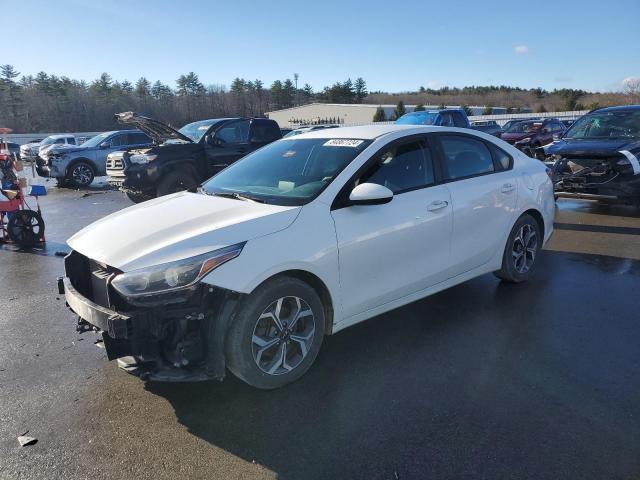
(598, 157)
(182, 159)
(300, 239)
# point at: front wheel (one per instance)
(81, 174)
(521, 251)
(276, 334)
(138, 197)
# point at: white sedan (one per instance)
(300, 239)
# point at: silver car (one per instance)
(78, 165)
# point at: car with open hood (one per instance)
(598, 157)
(300, 239)
(78, 165)
(182, 159)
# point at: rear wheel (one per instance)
(276, 334)
(521, 251)
(25, 227)
(176, 182)
(81, 174)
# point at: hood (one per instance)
(516, 137)
(175, 227)
(62, 148)
(593, 146)
(160, 132)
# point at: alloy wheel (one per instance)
(283, 335)
(82, 174)
(525, 247)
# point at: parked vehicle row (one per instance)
(529, 135)
(297, 240)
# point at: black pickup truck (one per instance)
(182, 159)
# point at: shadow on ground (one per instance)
(483, 380)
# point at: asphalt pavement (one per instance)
(485, 380)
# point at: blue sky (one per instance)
(395, 45)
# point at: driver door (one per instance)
(228, 144)
(395, 249)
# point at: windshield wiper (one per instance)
(238, 196)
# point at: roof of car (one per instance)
(365, 132)
(618, 108)
(63, 135)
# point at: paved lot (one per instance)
(485, 380)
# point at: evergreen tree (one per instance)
(399, 110)
(467, 110)
(143, 88)
(360, 89)
(419, 108)
(379, 116)
(488, 110)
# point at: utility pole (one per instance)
(295, 79)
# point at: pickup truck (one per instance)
(182, 159)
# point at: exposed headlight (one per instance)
(172, 276)
(142, 158)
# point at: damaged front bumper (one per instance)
(175, 342)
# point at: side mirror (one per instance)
(370, 194)
(104, 145)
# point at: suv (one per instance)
(599, 156)
(78, 165)
(449, 117)
(528, 136)
(182, 159)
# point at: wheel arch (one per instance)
(318, 285)
(75, 161)
(537, 215)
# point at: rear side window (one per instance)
(503, 159)
(264, 132)
(465, 157)
(458, 120)
(404, 167)
(138, 139)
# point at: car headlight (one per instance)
(172, 276)
(142, 158)
(524, 140)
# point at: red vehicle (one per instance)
(528, 135)
(18, 223)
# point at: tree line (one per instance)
(51, 103)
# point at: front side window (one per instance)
(402, 168)
(59, 141)
(96, 141)
(465, 156)
(287, 172)
(234, 132)
(138, 139)
(118, 140)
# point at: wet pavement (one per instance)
(485, 380)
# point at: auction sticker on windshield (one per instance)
(343, 142)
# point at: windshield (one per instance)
(606, 125)
(287, 172)
(524, 127)
(196, 130)
(97, 140)
(418, 118)
(48, 141)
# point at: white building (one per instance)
(346, 113)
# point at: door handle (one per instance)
(508, 188)
(437, 205)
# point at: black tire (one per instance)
(513, 270)
(80, 174)
(25, 227)
(176, 182)
(61, 182)
(138, 197)
(243, 353)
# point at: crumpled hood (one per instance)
(597, 146)
(64, 148)
(177, 226)
(159, 131)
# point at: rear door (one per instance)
(483, 189)
(229, 143)
(392, 250)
